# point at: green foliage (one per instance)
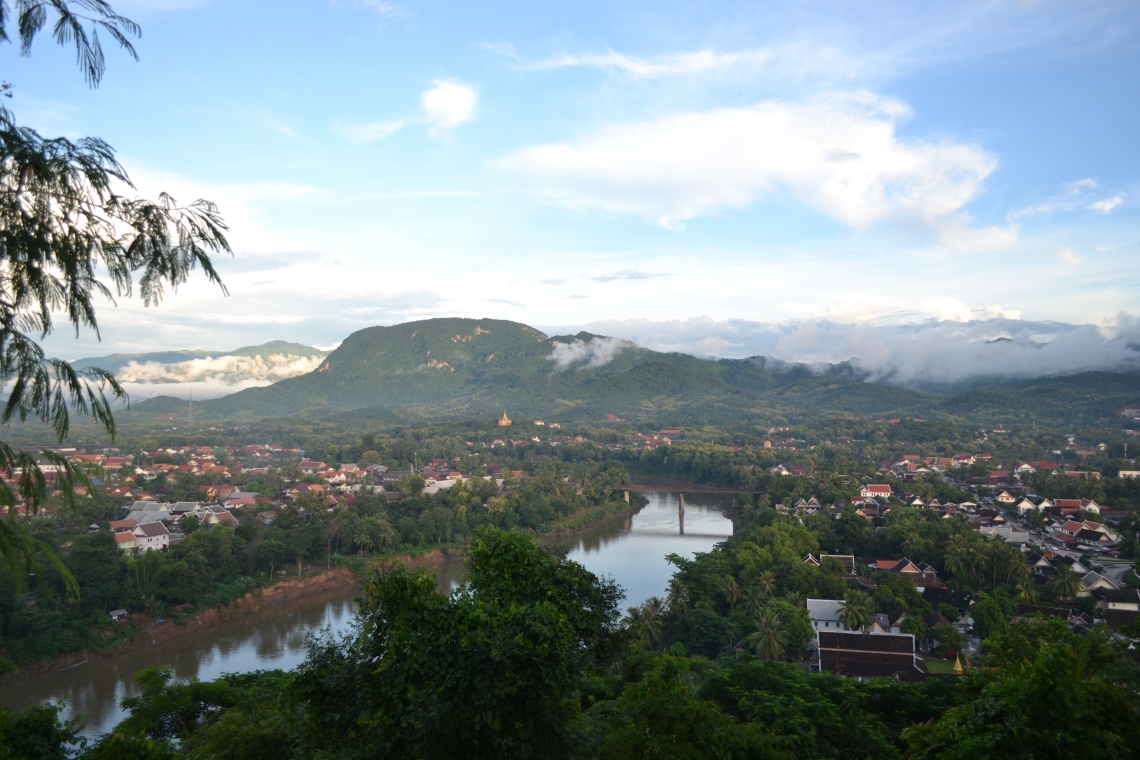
(989, 619)
(1045, 692)
(825, 715)
(172, 711)
(37, 734)
(947, 637)
(67, 239)
(662, 716)
(487, 672)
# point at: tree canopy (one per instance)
(70, 233)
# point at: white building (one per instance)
(824, 614)
(151, 536)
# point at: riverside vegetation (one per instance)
(560, 486)
(532, 658)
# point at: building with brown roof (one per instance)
(861, 655)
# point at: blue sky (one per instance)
(653, 167)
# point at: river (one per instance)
(632, 552)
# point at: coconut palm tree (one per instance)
(956, 554)
(1016, 567)
(1066, 584)
(646, 619)
(363, 541)
(794, 598)
(754, 601)
(857, 610)
(731, 590)
(677, 599)
(333, 529)
(766, 583)
(1027, 592)
(995, 557)
(769, 638)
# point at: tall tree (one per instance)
(1066, 585)
(489, 671)
(857, 610)
(770, 636)
(67, 236)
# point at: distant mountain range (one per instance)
(207, 373)
(463, 368)
(119, 362)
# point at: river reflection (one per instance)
(272, 638)
(631, 551)
(634, 553)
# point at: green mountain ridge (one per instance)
(481, 367)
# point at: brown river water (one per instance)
(632, 552)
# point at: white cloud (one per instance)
(594, 353)
(928, 352)
(1073, 196)
(226, 370)
(380, 7)
(1068, 257)
(137, 392)
(448, 104)
(838, 154)
(683, 63)
(1108, 205)
(362, 134)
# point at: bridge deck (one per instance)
(683, 489)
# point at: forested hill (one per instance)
(481, 367)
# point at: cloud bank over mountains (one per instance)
(211, 377)
(930, 353)
(924, 353)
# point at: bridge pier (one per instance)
(627, 497)
(681, 513)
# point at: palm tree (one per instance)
(794, 598)
(910, 542)
(646, 619)
(655, 607)
(1027, 592)
(975, 558)
(1016, 567)
(956, 554)
(754, 601)
(770, 636)
(857, 611)
(334, 529)
(383, 533)
(766, 583)
(363, 541)
(995, 557)
(731, 590)
(677, 598)
(1066, 584)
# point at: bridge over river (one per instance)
(681, 489)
